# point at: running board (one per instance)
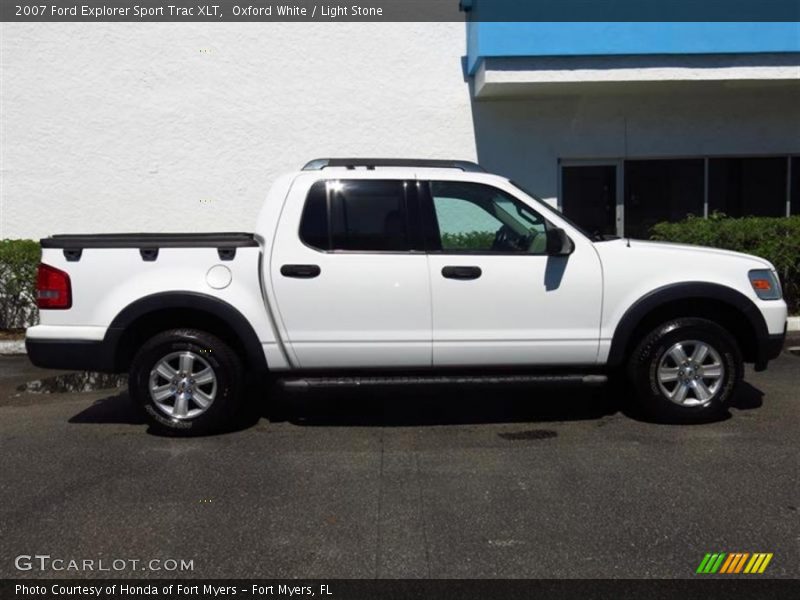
(346, 382)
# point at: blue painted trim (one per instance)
(489, 39)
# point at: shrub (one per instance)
(18, 262)
(473, 240)
(775, 239)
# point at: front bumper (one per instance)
(770, 347)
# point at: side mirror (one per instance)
(558, 243)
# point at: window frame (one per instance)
(410, 208)
(430, 222)
(619, 162)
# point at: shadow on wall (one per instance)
(523, 136)
(505, 145)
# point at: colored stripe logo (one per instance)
(730, 563)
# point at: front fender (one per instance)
(693, 290)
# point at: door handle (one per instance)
(301, 271)
(461, 272)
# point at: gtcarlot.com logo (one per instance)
(732, 563)
(45, 562)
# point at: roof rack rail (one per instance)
(371, 163)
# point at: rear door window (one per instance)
(364, 215)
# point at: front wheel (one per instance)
(686, 370)
(187, 381)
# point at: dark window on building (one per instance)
(365, 215)
(589, 197)
(795, 185)
(661, 190)
(741, 187)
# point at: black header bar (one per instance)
(400, 10)
(707, 587)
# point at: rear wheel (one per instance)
(686, 370)
(187, 381)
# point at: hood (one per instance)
(685, 249)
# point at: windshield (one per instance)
(595, 237)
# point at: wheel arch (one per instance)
(169, 310)
(726, 306)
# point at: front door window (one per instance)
(478, 218)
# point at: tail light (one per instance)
(53, 288)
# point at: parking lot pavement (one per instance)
(479, 482)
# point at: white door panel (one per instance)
(361, 311)
(522, 310)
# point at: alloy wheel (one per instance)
(183, 385)
(690, 373)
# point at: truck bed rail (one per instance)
(150, 240)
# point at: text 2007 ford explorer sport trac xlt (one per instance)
(380, 271)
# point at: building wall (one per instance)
(164, 127)
(524, 138)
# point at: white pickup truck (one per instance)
(382, 271)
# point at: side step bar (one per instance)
(306, 383)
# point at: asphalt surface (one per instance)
(480, 482)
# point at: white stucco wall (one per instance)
(182, 127)
(165, 127)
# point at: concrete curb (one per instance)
(793, 324)
(10, 347)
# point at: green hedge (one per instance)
(775, 239)
(473, 240)
(18, 262)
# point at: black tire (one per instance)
(658, 350)
(205, 350)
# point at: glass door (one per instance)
(591, 195)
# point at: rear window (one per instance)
(356, 215)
